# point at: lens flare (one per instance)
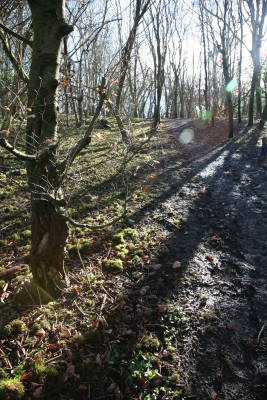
(231, 86)
(186, 136)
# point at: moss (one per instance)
(3, 374)
(11, 389)
(23, 172)
(26, 234)
(119, 238)
(131, 233)
(85, 246)
(136, 260)
(149, 342)
(16, 237)
(115, 265)
(122, 250)
(40, 326)
(9, 209)
(15, 327)
(179, 223)
(126, 234)
(42, 370)
(2, 284)
(2, 177)
(176, 378)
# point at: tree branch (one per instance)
(11, 149)
(95, 227)
(16, 35)
(12, 59)
(82, 143)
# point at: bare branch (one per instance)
(96, 227)
(13, 59)
(19, 154)
(16, 35)
(82, 143)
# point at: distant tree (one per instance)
(223, 16)
(257, 14)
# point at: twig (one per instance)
(8, 273)
(261, 332)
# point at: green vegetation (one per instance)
(11, 389)
(45, 371)
(115, 265)
(15, 327)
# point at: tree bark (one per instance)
(49, 228)
(239, 100)
(253, 88)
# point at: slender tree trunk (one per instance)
(174, 113)
(255, 82)
(80, 108)
(258, 97)
(203, 30)
(229, 101)
(49, 228)
(239, 110)
(253, 86)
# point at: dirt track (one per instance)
(223, 253)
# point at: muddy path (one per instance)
(202, 302)
(212, 275)
(223, 255)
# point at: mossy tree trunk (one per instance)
(49, 228)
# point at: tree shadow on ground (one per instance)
(104, 357)
(112, 348)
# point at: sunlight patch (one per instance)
(186, 136)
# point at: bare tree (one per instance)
(257, 13)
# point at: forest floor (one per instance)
(171, 304)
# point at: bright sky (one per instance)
(191, 43)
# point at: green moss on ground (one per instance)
(114, 265)
(11, 389)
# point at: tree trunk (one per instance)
(49, 228)
(239, 111)
(203, 33)
(255, 82)
(230, 115)
(174, 113)
(252, 98)
(49, 234)
(80, 109)
(258, 99)
(229, 101)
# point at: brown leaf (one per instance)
(55, 346)
(26, 377)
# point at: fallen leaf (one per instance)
(26, 376)
(55, 346)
